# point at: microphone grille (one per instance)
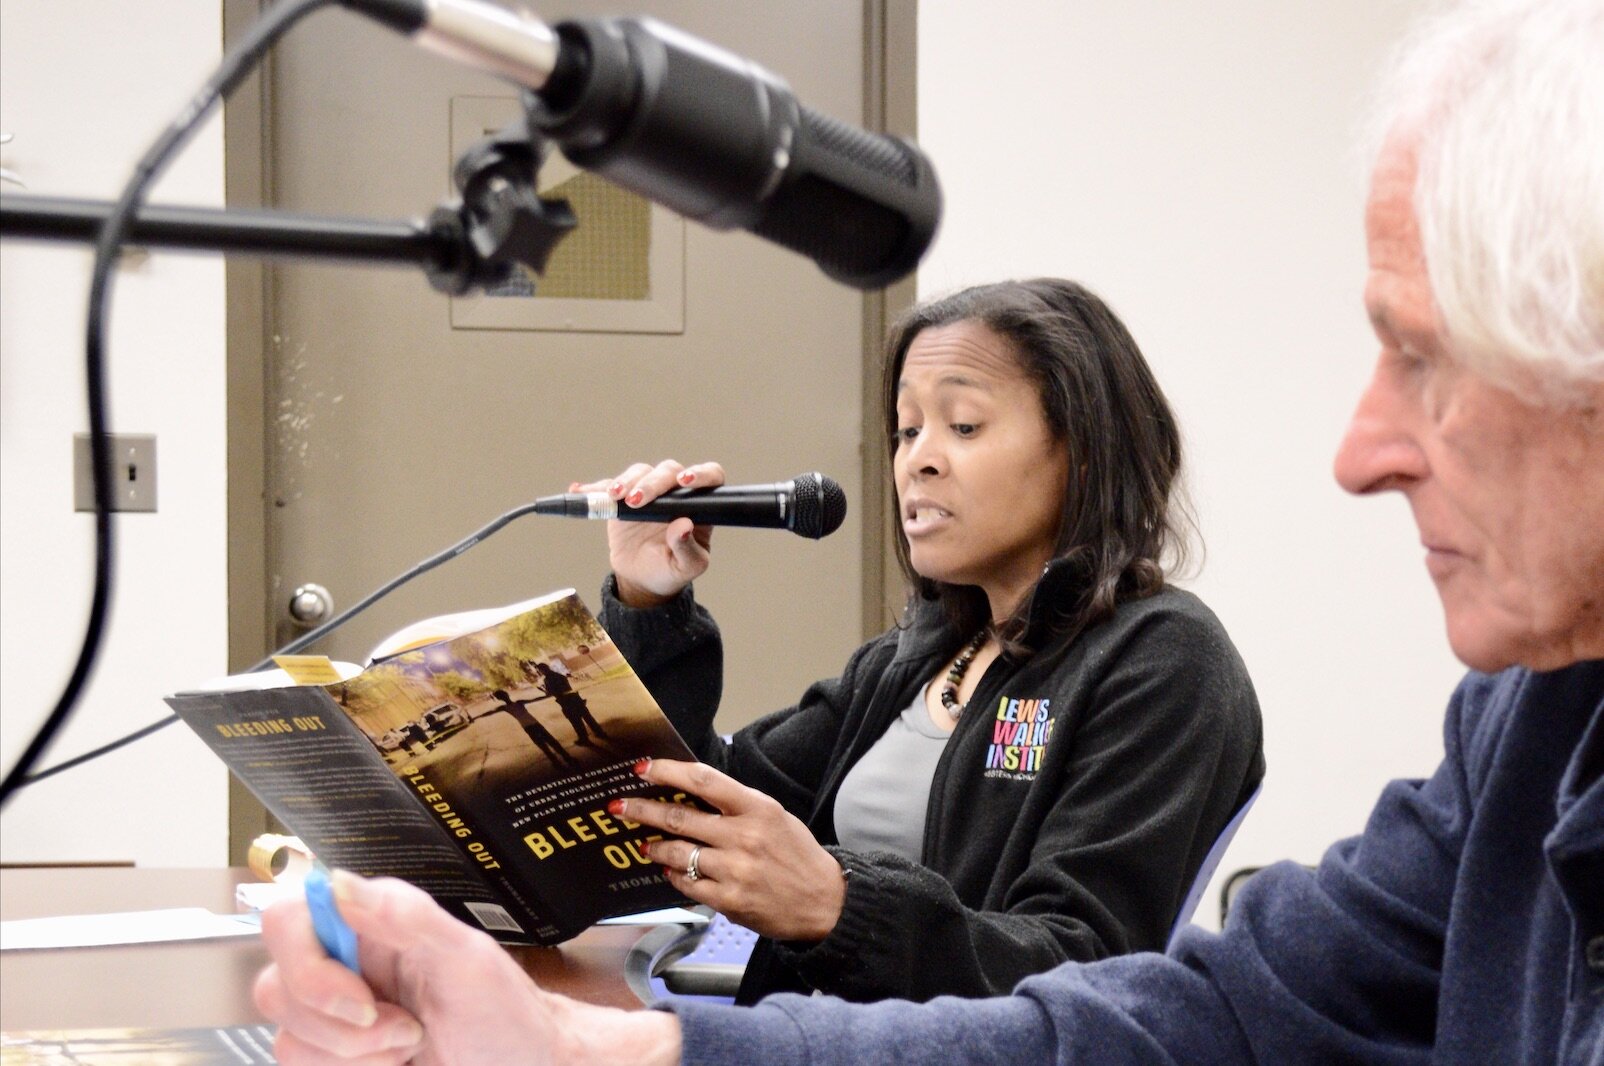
(820, 505)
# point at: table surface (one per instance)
(205, 983)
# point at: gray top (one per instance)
(882, 802)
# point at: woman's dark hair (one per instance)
(1124, 519)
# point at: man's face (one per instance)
(1508, 496)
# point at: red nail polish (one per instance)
(615, 808)
(641, 766)
(636, 497)
(685, 477)
(667, 872)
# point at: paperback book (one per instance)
(475, 756)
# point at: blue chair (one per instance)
(1211, 862)
(701, 963)
(1232, 885)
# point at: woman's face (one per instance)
(980, 478)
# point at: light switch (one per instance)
(133, 472)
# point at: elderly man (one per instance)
(1466, 924)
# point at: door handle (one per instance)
(311, 605)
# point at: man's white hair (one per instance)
(1505, 102)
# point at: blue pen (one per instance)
(337, 938)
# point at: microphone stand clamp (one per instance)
(500, 223)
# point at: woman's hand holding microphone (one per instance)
(653, 563)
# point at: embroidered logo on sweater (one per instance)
(1019, 738)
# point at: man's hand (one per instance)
(432, 991)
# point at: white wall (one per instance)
(85, 85)
(1189, 161)
(1193, 164)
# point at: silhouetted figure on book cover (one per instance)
(414, 733)
(571, 703)
(519, 709)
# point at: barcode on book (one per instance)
(493, 916)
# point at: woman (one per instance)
(1033, 765)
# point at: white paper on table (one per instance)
(259, 895)
(666, 916)
(125, 927)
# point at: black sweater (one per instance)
(1155, 741)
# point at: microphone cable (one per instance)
(305, 639)
(235, 67)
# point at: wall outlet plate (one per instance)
(133, 472)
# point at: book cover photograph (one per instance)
(478, 766)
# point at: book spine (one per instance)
(486, 858)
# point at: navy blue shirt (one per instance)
(1465, 925)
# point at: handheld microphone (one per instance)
(702, 131)
(809, 505)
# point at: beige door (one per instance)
(391, 421)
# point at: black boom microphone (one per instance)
(809, 505)
(702, 131)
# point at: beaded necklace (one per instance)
(955, 676)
